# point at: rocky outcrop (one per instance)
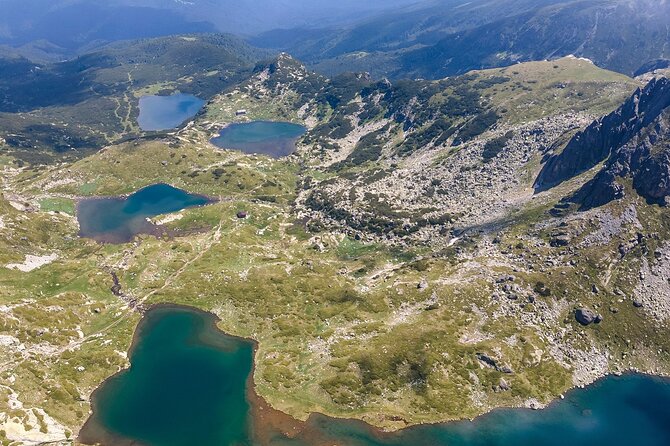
(598, 192)
(607, 135)
(645, 159)
(488, 361)
(652, 178)
(587, 317)
(634, 142)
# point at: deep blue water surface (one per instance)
(276, 139)
(167, 112)
(186, 386)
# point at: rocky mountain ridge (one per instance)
(450, 38)
(632, 141)
(419, 160)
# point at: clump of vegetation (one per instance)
(476, 126)
(369, 148)
(542, 289)
(437, 133)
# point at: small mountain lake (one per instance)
(275, 139)
(189, 384)
(167, 112)
(120, 219)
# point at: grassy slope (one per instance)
(545, 88)
(342, 326)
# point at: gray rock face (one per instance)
(633, 140)
(602, 189)
(585, 316)
(560, 240)
(594, 144)
(652, 178)
(646, 158)
(494, 363)
(657, 64)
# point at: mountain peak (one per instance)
(283, 62)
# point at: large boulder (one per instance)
(560, 240)
(585, 316)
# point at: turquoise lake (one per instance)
(167, 112)
(120, 219)
(188, 385)
(275, 139)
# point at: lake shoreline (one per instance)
(274, 139)
(147, 226)
(79, 198)
(92, 432)
(266, 422)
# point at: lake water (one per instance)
(167, 112)
(188, 385)
(276, 139)
(120, 219)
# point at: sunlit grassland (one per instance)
(58, 205)
(132, 166)
(344, 330)
(541, 89)
(224, 108)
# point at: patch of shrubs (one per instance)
(476, 126)
(541, 289)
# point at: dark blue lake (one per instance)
(275, 139)
(120, 219)
(167, 112)
(189, 384)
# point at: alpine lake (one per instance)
(120, 219)
(191, 384)
(275, 139)
(167, 112)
